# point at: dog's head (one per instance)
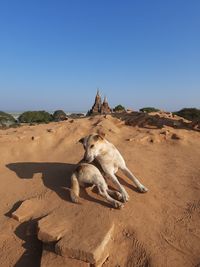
(92, 145)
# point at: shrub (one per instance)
(189, 114)
(59, 115)
(4, 115)
(6, 119)
(35, 116)
(119, 108)
(149, 109)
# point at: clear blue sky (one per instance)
(54, 54)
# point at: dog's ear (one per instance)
(81, 140)
(101, 134)
(98, 137)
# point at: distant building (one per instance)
(99, 107)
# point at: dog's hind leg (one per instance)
(129, 174)
(103, 192)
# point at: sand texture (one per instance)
(160, 228)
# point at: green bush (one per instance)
(149, 109)
(6, 119)
(189, 114)
(4, 115)
(119, 108)
(35, 116)
(59, 115)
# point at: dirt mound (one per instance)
(160, 228)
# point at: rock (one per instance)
(21, 137)
(50, 130)
(88, 243)
(164, 132)
(144, 139)
(51, 259)
(28, 210)
(130, 139)
(175, 136)
(155, 139)
(111, 130)
(51, 228)
(101, 262)
(35, 138)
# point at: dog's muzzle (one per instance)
(88, 159)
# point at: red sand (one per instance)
(159, 228)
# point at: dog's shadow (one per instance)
(56, 176)
(127, 183)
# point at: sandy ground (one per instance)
(159, 228)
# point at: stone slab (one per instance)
(52, 228)
(28, 210)
(51, 259)
(89, 242)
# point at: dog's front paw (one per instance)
(142, 189)
(125, 196)
(118, 195)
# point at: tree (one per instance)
(35, 116)
(189, 113)
(149, 109)
(59, 115)
(6, 119)
(119, 108)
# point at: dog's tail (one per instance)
(75, 188)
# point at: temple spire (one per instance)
(100, 107)
(105, 100)
(98, 97)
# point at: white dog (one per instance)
(110, 159)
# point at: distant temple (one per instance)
(99, 107)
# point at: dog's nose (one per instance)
(86, 158)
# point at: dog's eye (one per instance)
(91, 146)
